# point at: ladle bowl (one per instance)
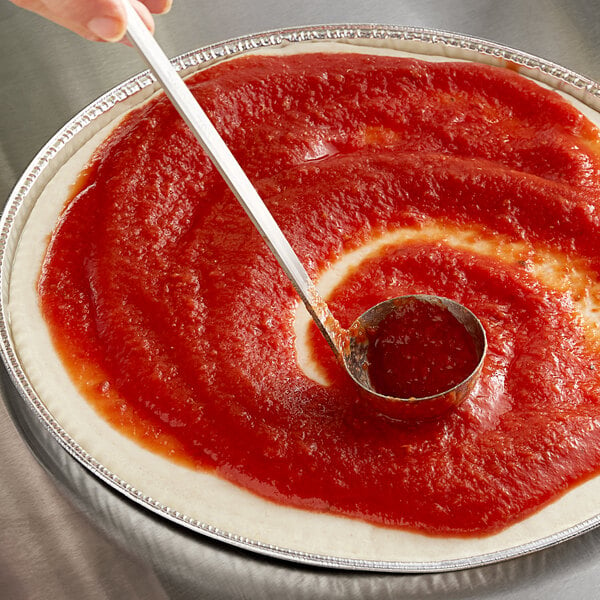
(357, 363)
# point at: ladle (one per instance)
(350, 346)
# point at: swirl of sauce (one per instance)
(177, 324)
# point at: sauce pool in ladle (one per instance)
(420, 350)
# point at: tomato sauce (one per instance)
(177, 324)
(418, 350)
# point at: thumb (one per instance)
(111, 25)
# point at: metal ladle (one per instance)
(350, 346)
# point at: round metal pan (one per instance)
(130, 93)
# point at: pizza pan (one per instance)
(91, 120)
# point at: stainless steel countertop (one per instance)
(65, 535)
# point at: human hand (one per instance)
(98, 20)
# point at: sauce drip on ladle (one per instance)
(365, 349)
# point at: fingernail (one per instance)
(107, 28)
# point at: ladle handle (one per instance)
(234, 176)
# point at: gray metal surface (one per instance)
(66, 535)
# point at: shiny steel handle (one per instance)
(234, 176)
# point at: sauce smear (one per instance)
(176, 322)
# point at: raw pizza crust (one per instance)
(207, 498)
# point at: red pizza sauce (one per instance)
(176, 322)
(420, 349)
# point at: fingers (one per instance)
(99, 20)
